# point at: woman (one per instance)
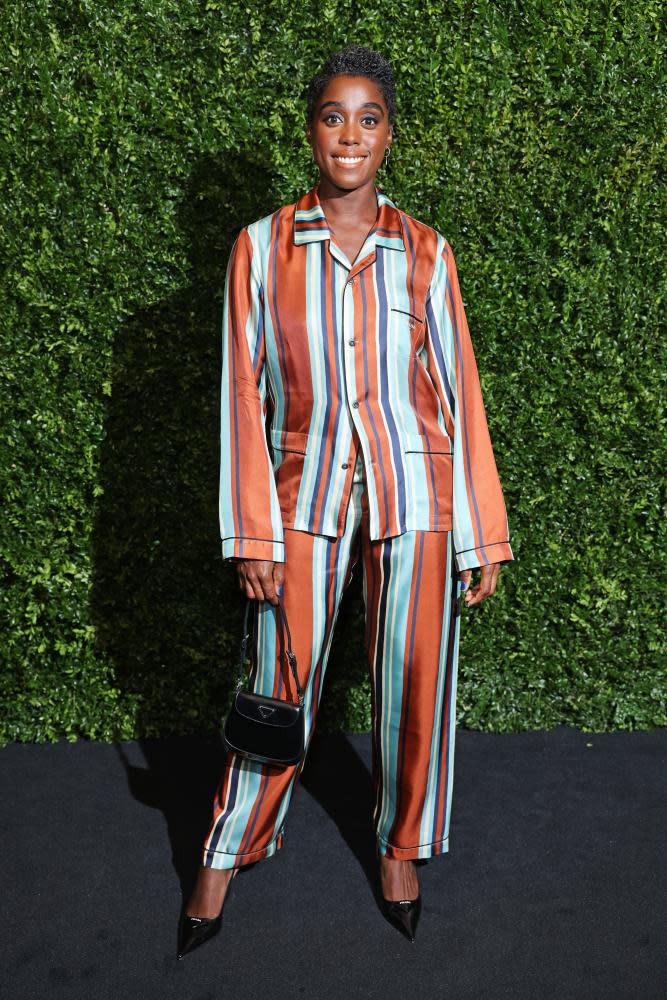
(343, 319)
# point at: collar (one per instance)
(310, 223)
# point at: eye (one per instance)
(370, 118)
(331, 114)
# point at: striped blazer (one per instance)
(315, 348)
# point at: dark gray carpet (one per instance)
(554, 885)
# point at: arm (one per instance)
(250, 520)
(479, 519)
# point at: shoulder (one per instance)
(255, 240)
(262, 230)
(417, 226)
(422, 238)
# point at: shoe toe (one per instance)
(193, 931)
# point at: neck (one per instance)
(346, 207)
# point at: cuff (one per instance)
(493, 552)
(234, 547)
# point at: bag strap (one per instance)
(279, 608)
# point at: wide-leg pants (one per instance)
(410, 588)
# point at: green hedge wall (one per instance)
(137, 138)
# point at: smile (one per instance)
(350, 159)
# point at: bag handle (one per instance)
(290, 655)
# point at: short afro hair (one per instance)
(354, 60)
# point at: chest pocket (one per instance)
(435, 443)
(408, 315)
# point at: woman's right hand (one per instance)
(260, 578)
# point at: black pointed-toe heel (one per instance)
(193, 931)
(403, 914)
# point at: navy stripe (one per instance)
(436, 345)
(231, 802)
(383, 395)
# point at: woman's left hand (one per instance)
(484, 588)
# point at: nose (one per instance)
(348, 134)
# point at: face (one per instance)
(350, 131)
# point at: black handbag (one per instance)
(269, 730)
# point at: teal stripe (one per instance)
(402, 549)
(428, 818)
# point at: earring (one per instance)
(386, 156)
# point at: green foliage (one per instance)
(136, 139)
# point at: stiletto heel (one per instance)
(193, 931)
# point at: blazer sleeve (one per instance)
(479, 519)
(250, 519)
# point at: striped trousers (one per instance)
(410, 588)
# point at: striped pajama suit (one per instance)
(410, 588)
(353, 430)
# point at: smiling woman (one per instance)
(343, 321)
(350, 131)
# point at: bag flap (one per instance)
(267, 711)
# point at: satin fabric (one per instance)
(318, 352)
(410, 588)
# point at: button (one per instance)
(352, 280)
(345, 465)
(411, 324)
(355, 405)
(351, 343)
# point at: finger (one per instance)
(253, 588)
(493, 582)
(244, 582)
(475, 593)
(473, 588)
(486, 585)
(270, 593)
(490, 578)
(266, 582)
(473, 597)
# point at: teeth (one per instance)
(350, 159)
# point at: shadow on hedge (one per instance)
(168, 612)
(166, 609)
